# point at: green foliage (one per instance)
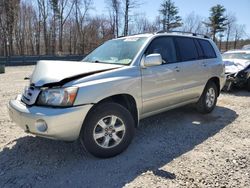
(55, 7)
(217, 20)
(169, 13)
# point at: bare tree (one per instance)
(3, 29)
(53, 26)
(193, 23)
(8, 21)
(64, 8)
(38, 32)
(142, 25)
(114, 11)
(43, 8)
(45, 26)
(231, 19)
(220, 39)
(239, 32)
(128, 6)
(22, 33)
(98, 30)
(81, 11)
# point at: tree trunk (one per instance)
(228, 34)
(126, 18)
(117, 23)
(37, 38)
(60, 36)
(45, 37)
(235, 39)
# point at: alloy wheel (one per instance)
(109, 131)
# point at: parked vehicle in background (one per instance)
(101, 99)
(246, 47)
(237, 68)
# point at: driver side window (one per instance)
(164, 46)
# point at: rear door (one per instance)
(211, 64)
(193, 76)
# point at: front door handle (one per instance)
(177, 69)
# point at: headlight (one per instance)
(58, 97)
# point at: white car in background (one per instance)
(237, 69)
(246, 47)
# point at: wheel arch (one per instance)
(215, 80)
(125, 100)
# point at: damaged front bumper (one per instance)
(235, 80)
(54, 123)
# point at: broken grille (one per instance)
(30, 95)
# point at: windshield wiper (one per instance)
(97, 61)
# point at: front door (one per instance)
(159, 83)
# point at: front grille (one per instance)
(30, 95)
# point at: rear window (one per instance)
(207, 48)
(187, 48)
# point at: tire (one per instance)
(208, 99)
(108, 130)
(248, 84)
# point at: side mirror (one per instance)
(152, 60)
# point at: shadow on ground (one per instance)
(240, 92)
(34, 161)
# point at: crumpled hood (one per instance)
(52, 72)
(235, 65)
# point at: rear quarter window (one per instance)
(207, 49)
(187, 48)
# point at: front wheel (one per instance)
(108, 130)
(208, 99)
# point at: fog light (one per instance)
(41, 125)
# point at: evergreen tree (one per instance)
(169, 13)
(217, 20)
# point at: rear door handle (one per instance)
(177, 69)
(204, 64)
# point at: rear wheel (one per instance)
(108, 130)
(208, 99)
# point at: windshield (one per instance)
(241, 55)
(117, 51)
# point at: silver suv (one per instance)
(101, 99)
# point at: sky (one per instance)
(241, 8)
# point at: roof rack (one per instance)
(183, 32)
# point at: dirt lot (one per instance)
(179, 148)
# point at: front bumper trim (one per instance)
(62, 123)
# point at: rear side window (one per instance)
(164, 46)
(207, 48)
(187, 48)
(199, 50)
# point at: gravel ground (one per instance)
(179, 148)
